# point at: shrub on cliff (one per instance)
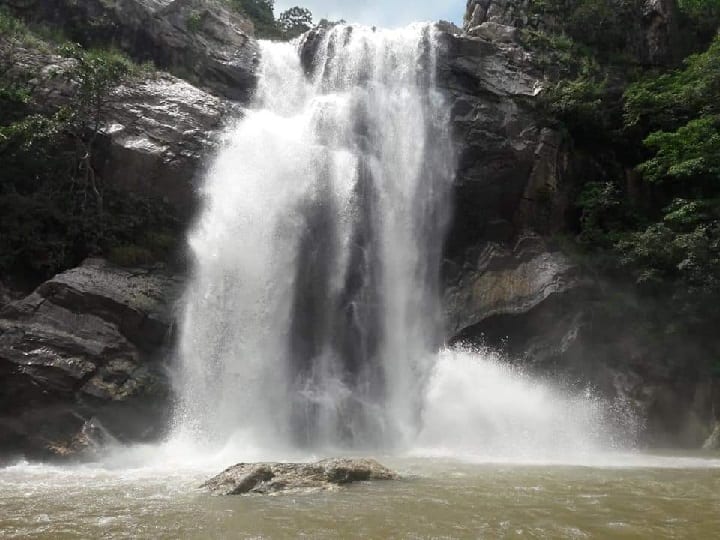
(54, 209)
(648, 203)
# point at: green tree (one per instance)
(679, 251)
(54, 208)
(261, 13)
(295, 22)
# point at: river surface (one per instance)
(630, 496)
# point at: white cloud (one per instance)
(387, 13)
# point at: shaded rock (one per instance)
(138, 302)
(266, 478)
(650, 27)
(7, 294)
(200, 40)
(88, 344)
(506, 12)
(548, 315)
(511, 168)
(449, 27)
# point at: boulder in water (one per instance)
(267, 478)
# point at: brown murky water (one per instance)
(632, 497)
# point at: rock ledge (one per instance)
(267, 478)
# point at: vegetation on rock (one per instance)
(54, 208)
(648, 210)
(290, 24)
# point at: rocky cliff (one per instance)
(509, 281)
(203, 42)
(83, 360)
(84, 356)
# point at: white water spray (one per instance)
(312, 320)
(313, 313)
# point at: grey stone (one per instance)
(200, 40)
(507, 282)
(511, 167)
(493, 31)
(266, 478)
(87, 344)
(651, 27)
(713, 441)
(155, 130)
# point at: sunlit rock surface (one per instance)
(268, 478)
(200, 40)
(510, 281)
(156, 129)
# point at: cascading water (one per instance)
(313, 314)
(312, 321)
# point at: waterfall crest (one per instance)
(312, 316)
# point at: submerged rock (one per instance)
(266, 478)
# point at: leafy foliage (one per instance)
(261, 13)
(648, 211)
(669, 240)
(295, 22)
(691, 153)
(54, 208)
(289, 25)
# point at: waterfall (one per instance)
(312, 318)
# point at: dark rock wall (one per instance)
(508, 283)
(510, 167)
(84, 355)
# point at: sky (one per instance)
(385, 13)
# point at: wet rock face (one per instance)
(531, 302)
(200, 40)
(511, 169)
(157, 134)
(82, 353)
(267, 478)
